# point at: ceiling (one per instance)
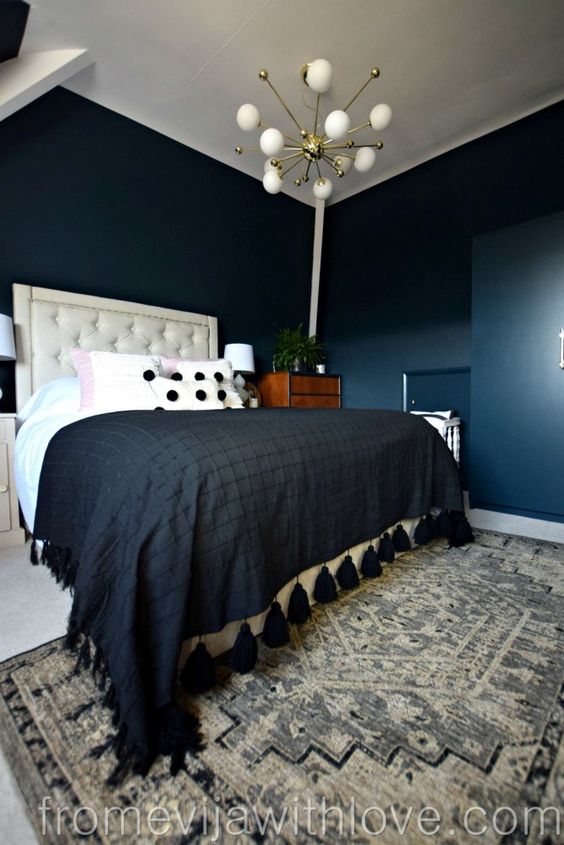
(452, 70)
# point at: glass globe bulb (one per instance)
(380, 117)
(272, 182)
(319, 76)
(364, 159)
(322, 188)
(248, 117)
(337, 124)
(271, 142)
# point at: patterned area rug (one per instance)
(425, 706)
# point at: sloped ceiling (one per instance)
(452, 70)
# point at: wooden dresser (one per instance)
(300, 390)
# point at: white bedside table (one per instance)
(11, 533)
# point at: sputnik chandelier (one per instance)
(331, 146)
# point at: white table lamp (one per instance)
(242, 360)
(7, 345)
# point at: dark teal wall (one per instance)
(517, 444)
(396, 289)
(96, 203)
(397, 259)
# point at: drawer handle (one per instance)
(3, 488)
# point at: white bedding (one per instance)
(31, 445)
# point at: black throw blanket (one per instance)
(170, 524)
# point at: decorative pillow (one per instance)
(175, 394)
(113, 381)
(59, 396)
(213, 369)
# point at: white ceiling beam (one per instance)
(31, 75)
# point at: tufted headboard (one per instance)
(50, 322)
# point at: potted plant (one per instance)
(296, 351)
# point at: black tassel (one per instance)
(99, 662)
(109, 699)
(444, 525)
(386, 551)
(84, 657)
(120, 772)
(370, 566)
(325, 589)
(421, 535)
(430, 522)
(275, 631)
(33, 556)
(400, 539)
(101, 749)
(71, 639)
(178, 734)
(198, 674)
(243, 655)
(299, 610)
(347, 575)
(462, 530)
(68, 575)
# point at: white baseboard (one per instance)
(508, 523)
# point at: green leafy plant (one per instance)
(295, 350)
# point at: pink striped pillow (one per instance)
(83, 366)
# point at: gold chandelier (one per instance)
(330, 145)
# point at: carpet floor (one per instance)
(425, 706)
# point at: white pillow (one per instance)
(59, 396)
(118, 380)
(217, 370)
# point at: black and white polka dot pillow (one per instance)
(177, 394)
(218, 370)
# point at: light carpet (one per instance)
(437, 686)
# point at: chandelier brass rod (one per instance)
(330, 162)
(318, 170)
(273, 89)
(359, 92)
(356, 128)
(316, 114)
(306, 174)
(295, 164)
(293, 140)
(287, 158)
(339, 146)
(247, 149)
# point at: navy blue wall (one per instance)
(95, 203)
(397, 259)
(517, 441)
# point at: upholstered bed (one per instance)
(180, 524)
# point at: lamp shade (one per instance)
(7, 345)
(241, 357)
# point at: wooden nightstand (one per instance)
(298, 390)
(11, 533)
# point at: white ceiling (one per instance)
(452, 70)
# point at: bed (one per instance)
(170, 527)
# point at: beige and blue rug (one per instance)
(437, 686)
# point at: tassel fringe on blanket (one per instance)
(174, 731)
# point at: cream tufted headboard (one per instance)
(49, 322)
